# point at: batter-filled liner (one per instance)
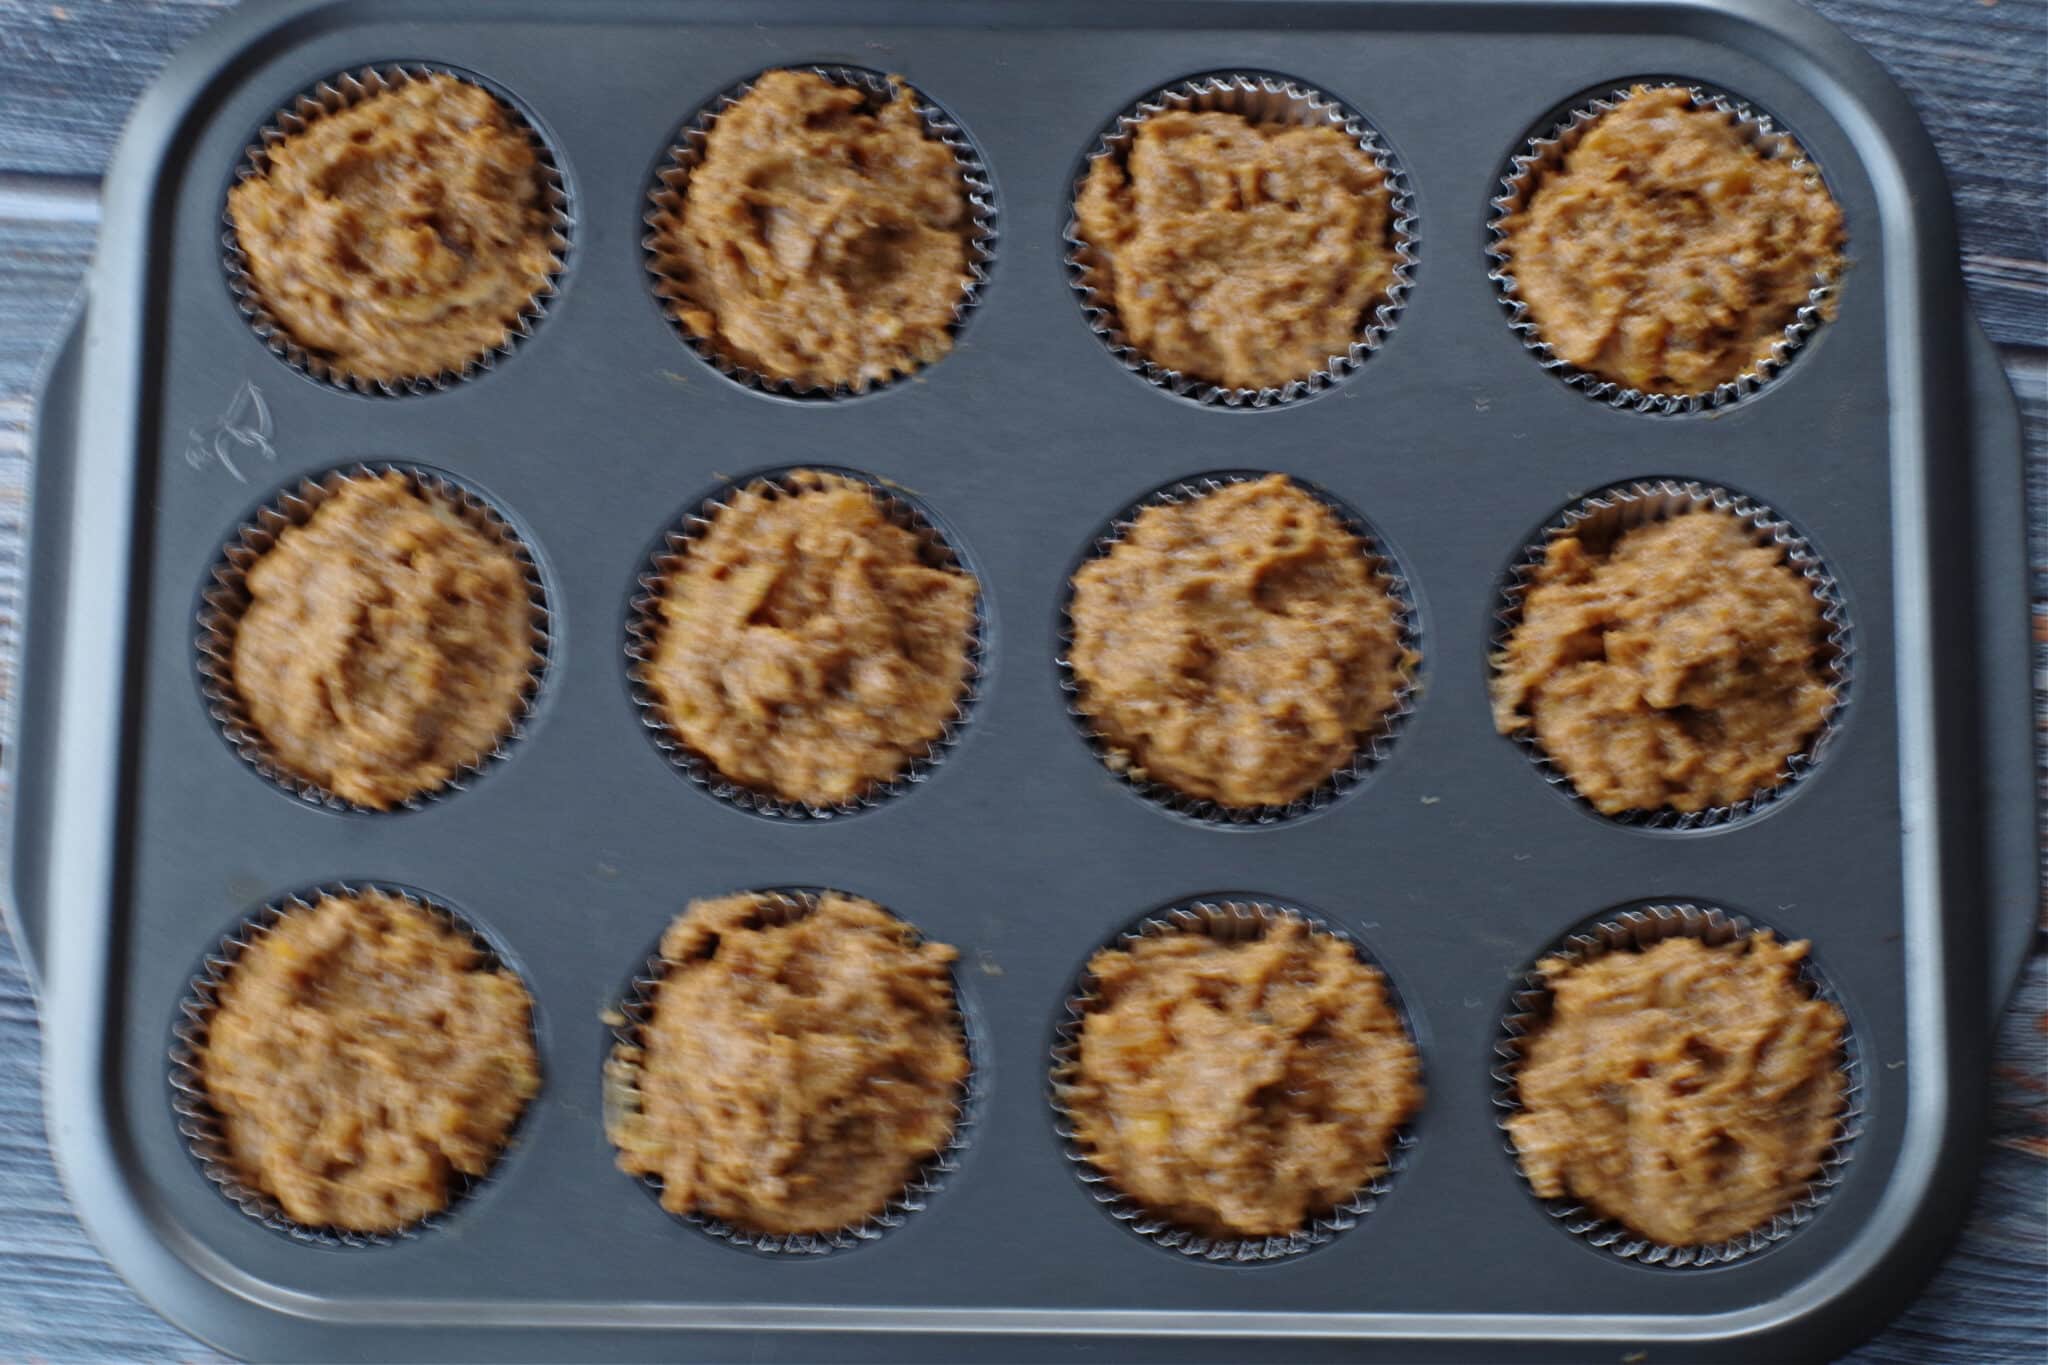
(686, 152)
(1227, 918)
(1612, 511)
(344, 91)
(199, 1123)
(1373, 746)
(1634, 929)
(634, 1011)
(1546, 151)
(225, 596)
(644, 624)
(1260, 98)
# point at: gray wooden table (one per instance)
(1976, 69)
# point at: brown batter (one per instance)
(362, 1056)
(1237, 646)
(1688, 1092)
(794, 1076)
(1678, 666)
(403, 236)
(1667, 253)
(386, 644)
(1241, 1088)
(824, 237)
(810, 647)
(1244, 254)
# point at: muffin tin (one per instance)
(140, 837)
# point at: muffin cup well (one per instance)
(1634, 930)
(1373, 746)
(226, 596)
(621, 1094)
(1259, 97)
(200, 1124)
(1545, 152)
(686, 152)
(644, 625)
(1623, 507)
(331, 96)
(1229, 919)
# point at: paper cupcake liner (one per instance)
(1624, 507)
(1635, 929)
(671, 183)
(1231, 919)
(1259, 97)
(226, 596)
(644, 624)
(200, 1124)
(331, 96)
(635, 1010)
(1373, 746)
(1545, 152)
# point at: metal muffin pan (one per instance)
(1907, 856)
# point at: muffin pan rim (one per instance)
(70, 960)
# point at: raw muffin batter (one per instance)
(824, 237)
(1688, 1092)
(1667, 253)
(810, 647)
(1245, 254)
(1678, 666)
(403, 236)
(1240, 1088)
(794, 1075)
(362, 1056)
(1236, 647)
(387, 643)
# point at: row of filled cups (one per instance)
(1240, 239)
(1235, 1079)
(1238, 649)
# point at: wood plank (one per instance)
(59, 1301)
(1978, 74)
(70, 69)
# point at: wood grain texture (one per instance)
(1978, 74)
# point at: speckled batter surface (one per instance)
(1687, 1092)
(402, 236)
(363, 1056)
(1238, 646)
(1242, 253)
(809, 646)
(387, 643)
(823, 238)
(1677, 667)
(1240, 1088)
(796, 1073)
(1667, 253)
